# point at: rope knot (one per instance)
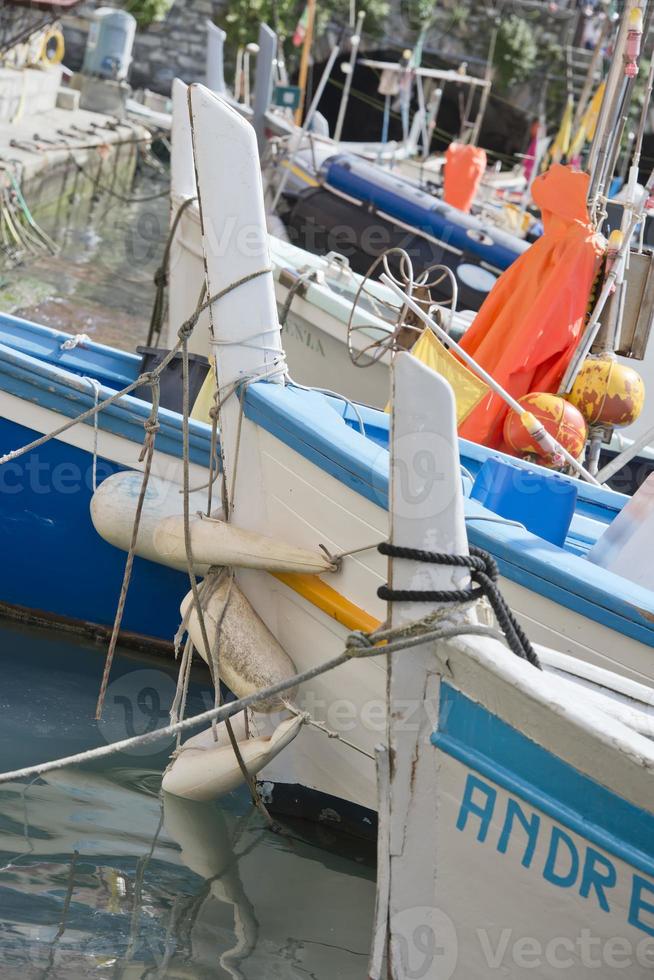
(484, 573)
(188, 326)
(161, 277)
(358, 643)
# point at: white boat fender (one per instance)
(205, 769)
(215, 542)
(249, 656)
(217, 736)
(113, 509)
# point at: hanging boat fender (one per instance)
(214, 542)
(218, 736)
(113, 509)
(205, 769)
(249, 657)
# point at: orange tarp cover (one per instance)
(530, 323)
(464, 168)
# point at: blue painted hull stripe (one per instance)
(45, 501)
(114, 368)
(55, 389)
(484, 742)
(558, 588)
(302, 421)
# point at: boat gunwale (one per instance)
(61, 390)
(292, 415)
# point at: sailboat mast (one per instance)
(304, 60)
(355, 41)
(618, 87)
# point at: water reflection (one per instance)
(101, 877)
(101, 281)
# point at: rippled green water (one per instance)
(99, 877)
(101, 280)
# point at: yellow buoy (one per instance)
(607, 392)
(561, 419)
(53, 47)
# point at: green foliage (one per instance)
(418, 15)
(421, 12)
(459, 14)
(242, 18)
(337, 12)
(515, 53)
(147, 11)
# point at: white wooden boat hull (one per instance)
(309, 505)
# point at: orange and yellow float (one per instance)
(607, 392)
(561, 419)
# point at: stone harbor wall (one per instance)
(176, 45)
(166, 49)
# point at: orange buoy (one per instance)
(561, 419)
(607, 392)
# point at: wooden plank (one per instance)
(426, 513)
(380, 925)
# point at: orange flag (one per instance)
(530, 323)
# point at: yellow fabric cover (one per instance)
(468, 388)
(204, 402)
(588, 124)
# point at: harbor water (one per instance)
(101, 280)
(102, 876)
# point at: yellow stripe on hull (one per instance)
(300, 174)
(329, 601)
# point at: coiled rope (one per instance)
(483, 572)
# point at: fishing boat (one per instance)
(360, 209)
(516, 815)
(300, 469)
(335, 321)
(330, 316)
(335, 197)
(57, 568)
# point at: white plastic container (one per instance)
(110, 44)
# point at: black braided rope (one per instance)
(484, 574)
